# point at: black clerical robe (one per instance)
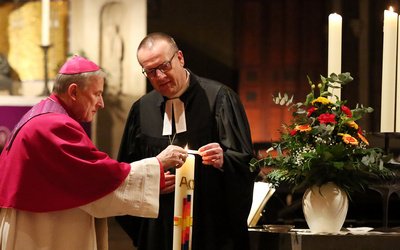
(222, 199)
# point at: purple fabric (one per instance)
(43, 107)
(9, 117)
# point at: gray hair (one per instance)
(63, 81)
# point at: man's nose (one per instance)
(101, 102)
(159, 73)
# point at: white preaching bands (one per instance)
(179, 114)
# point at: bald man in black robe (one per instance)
(217, 125)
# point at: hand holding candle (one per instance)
(212, 154)
(172, 156)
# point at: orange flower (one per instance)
(349, 139)
(300, 128)
(362, 138)
(352, 124)
(303, 128)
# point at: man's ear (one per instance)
(180, 58)
(72, 89)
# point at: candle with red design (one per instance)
(183, 210)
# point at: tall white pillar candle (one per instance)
(389, 71)
(397, 109)
(335, 50)
(45, 22)
(183, 210)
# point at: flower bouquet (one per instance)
(323, 143)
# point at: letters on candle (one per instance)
(188, 184)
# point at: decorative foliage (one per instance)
(323, 143)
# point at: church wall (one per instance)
(278, 50)
(21, 39)
(86, 35)
(5, 10)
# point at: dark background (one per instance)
(262, 47)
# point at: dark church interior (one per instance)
(274, 46)
(262, 47)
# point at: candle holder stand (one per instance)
(390, 149)
(46, 91)
(389, 185)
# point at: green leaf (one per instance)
(326, 156)
(309, 80)
(338, 165)
(289, 101)
(323, 79)
(345, 78)
(309, 99)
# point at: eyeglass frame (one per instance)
(144, 72)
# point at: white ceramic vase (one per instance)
(325, 208)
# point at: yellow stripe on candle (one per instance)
(177, 221)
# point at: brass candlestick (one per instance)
(46, 91)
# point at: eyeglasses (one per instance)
(163, 68)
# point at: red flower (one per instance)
(293, 132)
(347, 111)
(326, 118)
(311, 110)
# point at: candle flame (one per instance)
(186, 147)
(391, 9)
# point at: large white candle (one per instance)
(183, 210)
(397, 110)
(335, 50)
(45, 22)
(388, 71)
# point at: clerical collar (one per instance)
(179, 111)
(184, 87)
